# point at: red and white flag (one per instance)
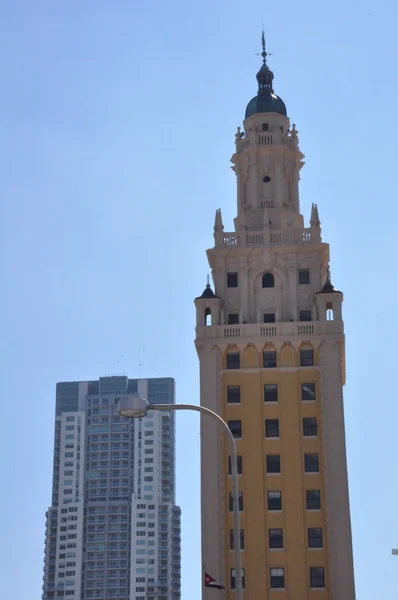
(212, 583)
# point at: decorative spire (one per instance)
(263, 53)
(265, 76)
(314, 222)
(208, 292)
(328, 281)
(218, 224)
(328, 287)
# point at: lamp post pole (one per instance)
(133, 406)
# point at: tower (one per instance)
(270, 341)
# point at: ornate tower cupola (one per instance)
(266, 100)
(267, 162)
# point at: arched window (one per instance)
(329, 312)
(207, 316)
(268, 280)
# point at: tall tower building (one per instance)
(113, 529)
(270, 341)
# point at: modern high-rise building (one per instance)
(113, 528)
(270, 341)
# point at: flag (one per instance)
(212, 583)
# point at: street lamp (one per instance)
(135, 407)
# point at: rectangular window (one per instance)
(274, 500)
(232, 280)
(235, 428)
(304, 276)
(277, 578)
(269, 359)
(307, 357)
(239, 461)
(233, 360)
(305, 315)
(265, 126)
(233, 318)
(273, 463)
(275, 538)
(231, 504)
(315, 537)
(272, 428)
(313, 499)
(308, 392)
(232, 539)
(317, 577)
(269, 317)
(233, 579)
(310, 428)
(233, 394)
(311, 463)
(270, 392)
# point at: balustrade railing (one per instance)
(291, 236)
(289, 329)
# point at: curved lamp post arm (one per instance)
(234, 473)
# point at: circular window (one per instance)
(266, 179)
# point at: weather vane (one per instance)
(264, 53)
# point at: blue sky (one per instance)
(117, 124)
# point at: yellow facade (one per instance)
(295, 557)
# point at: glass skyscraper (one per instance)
(113, 529)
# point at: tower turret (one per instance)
(208, 308)
(329, 301)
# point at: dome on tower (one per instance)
(266, 100)
(267, 103)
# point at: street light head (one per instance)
(133, 406)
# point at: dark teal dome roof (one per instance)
(267, 102)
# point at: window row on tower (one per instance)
(270, 359)
(271, 393)
(273, 461)
(275, 538)
(268, 279)
(277, 578)
(234, 318)
(310, 428)
(274, 500)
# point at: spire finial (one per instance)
(328, 274)
(208, 281)
(263, 53)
